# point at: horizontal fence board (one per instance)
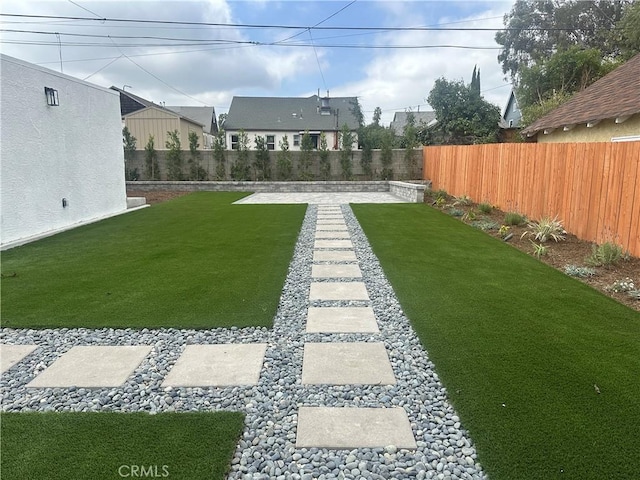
(593, 188)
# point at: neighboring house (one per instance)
(144, 118)
(61, 148)
(512, 115)
(204, 115)
(157, 121)
(400, 120)
(275, 117)
(607, 111)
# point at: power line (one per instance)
(292, 27)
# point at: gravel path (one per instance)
(267, 446)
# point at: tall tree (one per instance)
(475, 80)
(346, 151)
(306, 157)
(356, 109)
(195, 169)
(323, 153)
(284, 165)
(174, 155)
(261, 163)
(377, 114)
(129, 144)
(151, 160)
(463, 117)
(386, 155)
(219, 155)
(241, 170)
(535, 29)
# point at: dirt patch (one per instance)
(156, 196)
(572, 251)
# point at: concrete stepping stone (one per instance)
(349, 428)
(336, 271)
(331, 228)
(346, 363)
(333, 244)
(335, 235)
(341, 320)
(218, 365)
(333, 216)
(338, 291)
(92, 366)
(12, 354)
(334, 256)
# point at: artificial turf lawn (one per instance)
(519, 347)
(109, 445)
(194, 262)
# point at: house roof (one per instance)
(511, 113)
(168, 112)
(400, 120)
(204, 115)
(615, 95)
(290, 113)
(130, 102)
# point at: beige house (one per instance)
(607, 111)
(157, 121)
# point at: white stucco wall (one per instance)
(47, 153)
(331, 139)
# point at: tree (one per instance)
(629, 27)
(564, 73)
(174, 156)
(323, 153)
(356, 110)
(410, 141)
(475, 81)
(346, 152)
(377, 114)
(386, 155)
(285, 167)
(129, 144)
(534, 30)
(219, 155)
(262, 162)
(306, 147)
(151, 160)
(221, 119)
(195, 169)
(240, 170)
(367, 155)
(463, 117)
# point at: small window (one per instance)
(271, 142)
(234, 142)
(296, 140)
(510, 123)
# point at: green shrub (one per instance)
(513, 218)
(546, 228)
(576, 271)
(622, 286)
(539, 250)
(485, 225)
(456, 212)
(463, 200)
(485, 207)
(440, 194)
(606, 254)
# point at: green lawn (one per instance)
(117, 445)
(519, 347)
(193, 262)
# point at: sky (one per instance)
(377, 50)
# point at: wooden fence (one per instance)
(594, 188)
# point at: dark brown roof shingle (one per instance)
(614, 95)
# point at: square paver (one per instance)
(336, 235)
(12, 354)
(338, 291)
(217, 365)
(334, 256)
(341, 320)
(330, 211)
(330, 222)
(336, 271)
(333, 244)
(330, 216)
(331, 228)
(346, 363)
(92, 366)
(348, 428)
